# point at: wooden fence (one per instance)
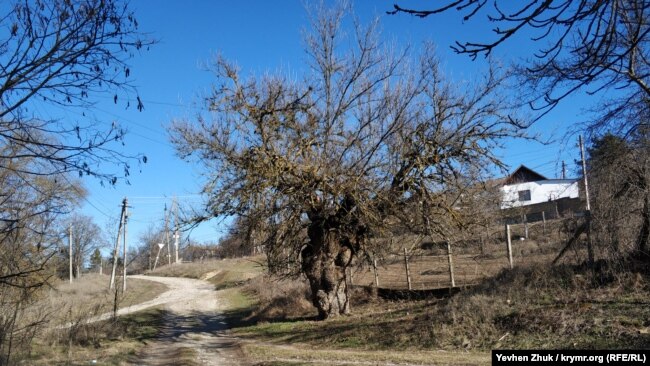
(457, 266)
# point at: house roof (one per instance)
(521, 175)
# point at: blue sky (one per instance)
(261, 36)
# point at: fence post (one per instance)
(408, 272)
(509, 245)
(526, 226)
(544, 223)
(374, 267)
(451, 265)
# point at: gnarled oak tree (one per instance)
(326, 164)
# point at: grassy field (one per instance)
(111, 342)
(90, 295)
(222, 273)
(533, 306)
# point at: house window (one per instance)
(524, 195)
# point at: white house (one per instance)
(526, 187)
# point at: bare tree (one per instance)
(64, 53)
(86, 237)
(31, 207)
(597, 46)
(149, 241)
(58, 53)
(327, 163)
(620, 174)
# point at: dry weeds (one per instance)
(279, 299)
(90, 295)
(565, 306)
(241, 268)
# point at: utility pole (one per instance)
(584, 172)
(175, 208)
(169, 253)
(126, 216)
(176, 236)
(116, 249)
(70, 249)
(590, 251)
(160, 246)
(563, 170)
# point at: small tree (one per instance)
(96, 260)
(324, 165)
(86, 237)
(149, 240)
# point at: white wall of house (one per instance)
(540, 191)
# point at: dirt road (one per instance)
(194, 331)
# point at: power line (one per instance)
(166, 197)
(83, 196)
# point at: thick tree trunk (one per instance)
(324, 261)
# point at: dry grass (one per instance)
(222, 273)
(116, 342)
(90, 295)
(541, 307)
(279, 299)
(274, 354)
(72, 305)
(429, 263)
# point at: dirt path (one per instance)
(194, 331)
